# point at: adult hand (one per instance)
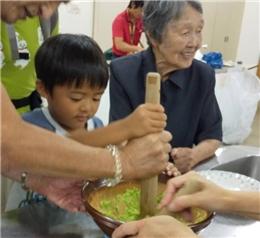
(184, 158)
(135, 49)
(158, 226)
(206, 195)
(65, 193)
(139, 49)
(146, 156)
(146, 118)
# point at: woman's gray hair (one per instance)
(158, 14)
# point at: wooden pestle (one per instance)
(189, 187)
(149, 187)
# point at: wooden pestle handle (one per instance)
(149, 187)
(189, 187)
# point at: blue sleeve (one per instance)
(210, 123)
(37, 118)
(97, 122)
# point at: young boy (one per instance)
(72, 75)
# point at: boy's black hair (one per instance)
(70, 59)
(135, 4)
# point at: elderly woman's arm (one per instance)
(186, 158)
(205, 150)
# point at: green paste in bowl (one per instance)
(125, 207)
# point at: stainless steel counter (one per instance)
(46, 220)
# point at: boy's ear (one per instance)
(41, 88)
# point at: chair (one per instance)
(108, 54)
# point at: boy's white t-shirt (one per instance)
(58, 129)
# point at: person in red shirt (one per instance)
(127, 29)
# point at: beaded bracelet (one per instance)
(118, 166)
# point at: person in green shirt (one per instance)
(19, 43)
(20, 39)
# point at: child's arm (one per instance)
(147, 118)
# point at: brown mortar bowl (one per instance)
(93, 192)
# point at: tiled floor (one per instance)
(254, 137)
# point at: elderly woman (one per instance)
(174, 34)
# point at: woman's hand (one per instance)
(154, 227)
(204, 194)
(209, 196)
(65, 193)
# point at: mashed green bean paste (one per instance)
(125, 207)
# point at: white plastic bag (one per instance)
(238, 93)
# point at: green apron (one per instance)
(19, 43)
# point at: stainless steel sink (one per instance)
(249, 166)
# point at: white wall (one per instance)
(76, 17)
(249, 42)
(104, 14)
(103, 110)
